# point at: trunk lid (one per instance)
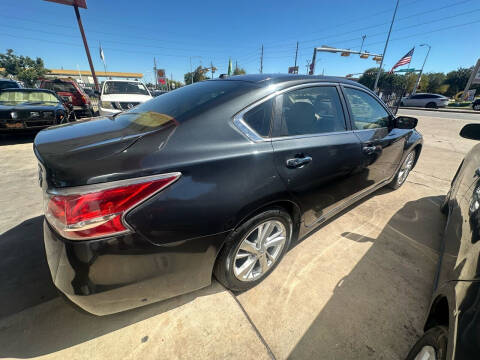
(97, 150)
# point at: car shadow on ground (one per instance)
(397, 272)
(35, 319)
(17, 138)
(24, 275)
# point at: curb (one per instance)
(440, 110)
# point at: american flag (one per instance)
(404, 60)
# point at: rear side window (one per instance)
(313, 110)
(8, 85)
(260, 117)
(187, 101)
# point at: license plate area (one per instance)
(15, 125)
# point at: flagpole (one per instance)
(385, 49)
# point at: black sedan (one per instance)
(219, 177)
(452, 326)
(22, 109)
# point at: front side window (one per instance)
(367, 113)
(313, 110)
(259, 118)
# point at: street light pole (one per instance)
(421, 70)
(385, 49)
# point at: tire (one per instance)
(476, 107)
(407, 165)
(434, 339)
(228, 268)
(401, 104)
(431, 105)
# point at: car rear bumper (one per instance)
(110, 275)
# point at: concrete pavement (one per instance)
(358, 288)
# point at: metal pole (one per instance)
(261, 62)
(385, 49)
(363, 40)
(79, 20)
(191, 71)
(296, 55)
(155, 72)
(421, 70)
(312, 65)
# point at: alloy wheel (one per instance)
(406, 167)
(259, 250)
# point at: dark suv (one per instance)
(69, 90)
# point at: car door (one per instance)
(316, 153)
(382, 145)
(414, 100)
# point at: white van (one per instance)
(121, 95)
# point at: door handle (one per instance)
(298, 162)
(369, 150)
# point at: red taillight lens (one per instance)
(99, 213)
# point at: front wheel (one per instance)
(431, 105)
(254, 249)
(431, 346)
(404, 170)
(476, 107)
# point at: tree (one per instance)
(175, 84)
(387, 83)
(435, 82)
(457, 80)
(239, 71)
(198, 75)
(22, 67)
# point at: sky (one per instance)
(181, 34)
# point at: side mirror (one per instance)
(471, 131)
(406, 122)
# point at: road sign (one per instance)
(79, 3)
(161, 73)
(293, 70)
(407, 70)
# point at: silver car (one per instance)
(425, 100)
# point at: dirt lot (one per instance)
(358, 288)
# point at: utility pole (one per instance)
(296, 55)
(79, 20)
(191, 71)
(375, 89)
(155, 72)
(363, 40)
(211, 68)
(308, 67)
(261, 62)
(421, 70)
(314, 60)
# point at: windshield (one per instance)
(124, 87)
(27, 97)
(179, 104)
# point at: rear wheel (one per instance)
(431, 346)
(254, 249)
(476, 106)
(404, 170)
(431, 105)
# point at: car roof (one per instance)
(10, 80)
(269, 79)
(29, 90)
(121, 80)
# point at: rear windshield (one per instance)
(186, 101)
(27, 97)
(124, 87)
(59, 86)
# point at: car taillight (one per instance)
(94, 213)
